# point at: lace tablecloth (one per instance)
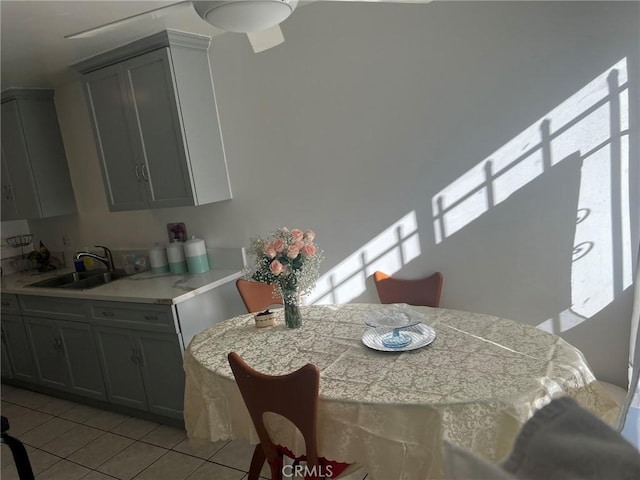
(474, 386)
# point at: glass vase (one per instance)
(292, 316)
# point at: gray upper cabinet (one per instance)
(35, 175)
(155, 122)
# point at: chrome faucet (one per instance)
(107, 259)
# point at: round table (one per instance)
(474, 385)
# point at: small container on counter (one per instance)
(158, 259)
(196, 253)
(175, 255)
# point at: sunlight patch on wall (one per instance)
(592, 126)
(389, 251)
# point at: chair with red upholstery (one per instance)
(293, 396)
(257, 296)
(421, 292)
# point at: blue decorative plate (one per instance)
(420, 335)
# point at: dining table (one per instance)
(389, 410)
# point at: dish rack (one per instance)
(20, 240)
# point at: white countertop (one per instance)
(144, 287)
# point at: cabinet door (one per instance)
(17, 348)
(161, 365)
(119, 360)
(48, 350)
(16, 156)
(153, 93)
(9, 210)
(85, 374)
(116, 140)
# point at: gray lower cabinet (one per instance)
(16, 350)
(66, 356)
(142, 369)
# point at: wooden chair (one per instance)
(257, 296)
(20, 455)
(421, 292)
(293, 396)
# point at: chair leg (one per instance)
(257, 461)
(20, 457)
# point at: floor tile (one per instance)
(209, 471)
(46, 432)
(4, 389)
(80, 413)
(31, 419)
(165, 436)
(26, 398)
(134, 428)
(40, 460)
(132, 460)
(100, 450)
(237, 454)
(201, 450)
(171, 466)
(93, 475)
(106, 420)
(56, 406)
(64, 470)
(72, 440)
(9, 472)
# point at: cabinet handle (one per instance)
(138, 172)
(145, 176)
(6, 304)
(151, 317)
(3, 337)
(58, 346)
(107, 313)
(140, 358)
(134, 357)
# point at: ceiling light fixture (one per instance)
(243, 16)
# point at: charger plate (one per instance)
(421, 336)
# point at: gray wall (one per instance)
(368, 114)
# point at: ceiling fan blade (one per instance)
(155, 13)
(266, 39)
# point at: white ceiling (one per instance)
(34, 52)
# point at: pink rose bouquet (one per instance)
(288, 258)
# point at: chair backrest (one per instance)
(633, 391)
(421, 292)
(294, 396)
(257, 296)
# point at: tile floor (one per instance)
(70, 441)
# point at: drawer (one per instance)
(10, 304)
(54, 307)
(134, 315)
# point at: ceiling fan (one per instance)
(259, 19)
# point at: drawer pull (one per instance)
(107, 313)
(6, 304)
(151, 317)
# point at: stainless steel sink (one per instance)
(81, 280)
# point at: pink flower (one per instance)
(309, 235)
(278, 245)
(297, 234)
(276, 267)
(309, 250)
(293, 251)
(299, 244)
(269, 251)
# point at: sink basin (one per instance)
(81, 280)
